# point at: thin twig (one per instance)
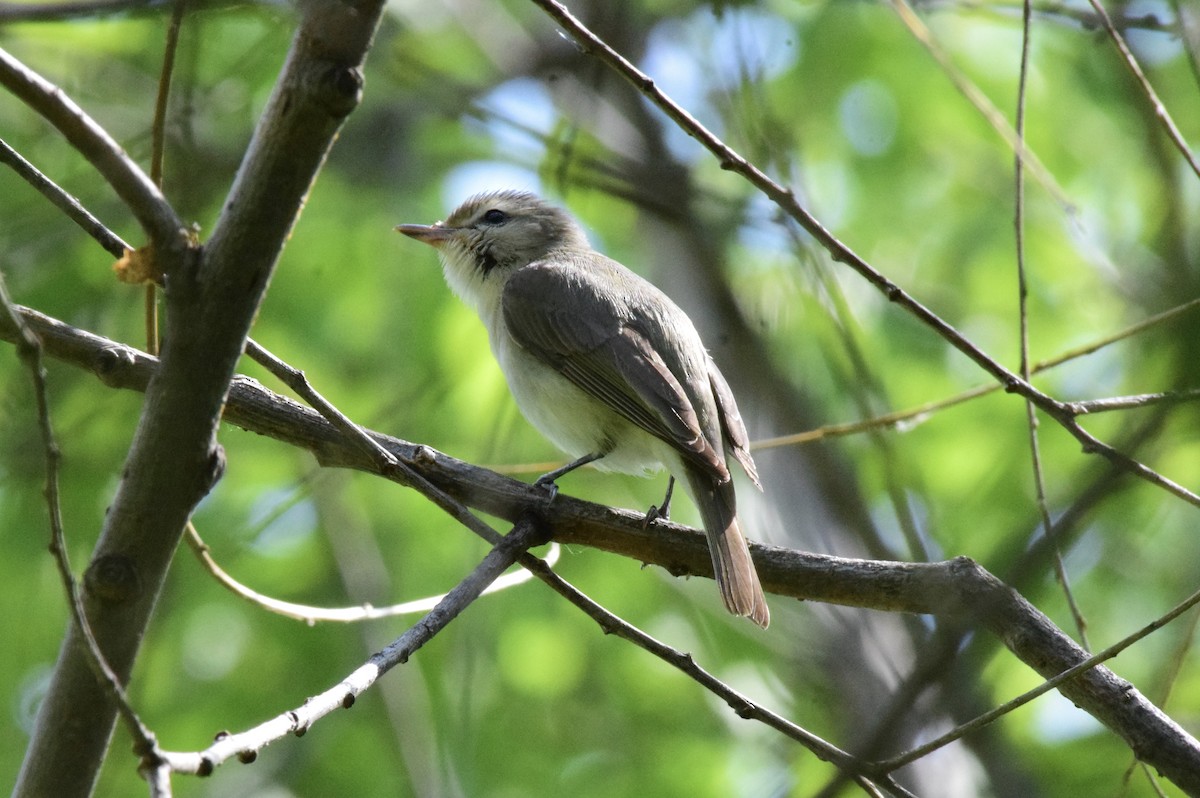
(246, 745)
(158, 146)
(889, 765)
(1175, 662)
(740, 704)
(1160, 110)
(1013, 138)
(29, 350)
(785, 199)
(1031, 416)
(366, 612)
(384, 460)
(1053, 11)
(862, 385)
(63, 201)
(1128, 332)
(132, 185)
(916, 415)
(1132, 402)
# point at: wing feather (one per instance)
(606, 353)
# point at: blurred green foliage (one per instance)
(522, 696)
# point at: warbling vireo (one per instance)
(604, 364)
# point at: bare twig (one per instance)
(1054, 11)
(1132, 402)
(29, 350)
(63, 201)
(740, 704)
(132, 185)
(159, 125)
(158, 149)
(385, 461)
(1045, 687)
(1031, 416)
(366, 612)
(246, 745)
(1013, 138)
(1135, 69)
(785, 198)
(916, 415)
(1128, 332)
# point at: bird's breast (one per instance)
(573, 420)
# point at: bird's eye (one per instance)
(495, 216)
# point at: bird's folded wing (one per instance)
(604, 353)
(732, 425)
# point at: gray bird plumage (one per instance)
(603, 363)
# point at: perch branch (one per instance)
(957, 590)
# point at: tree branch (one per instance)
(245, 746)
(132, 185)
(958, 590)
(212, 297)
(786, 200)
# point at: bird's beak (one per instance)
(432, 234)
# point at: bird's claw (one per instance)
(656, 513)
(551, 488)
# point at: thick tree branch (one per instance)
(212, 297)
(958, 590)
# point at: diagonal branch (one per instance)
(1135, 69)
(785, 198)
(132, 185)
(246, 745)
(29, 350)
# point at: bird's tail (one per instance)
(734, 570)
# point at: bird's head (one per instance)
(492, 234)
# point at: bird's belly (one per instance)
(576, 422)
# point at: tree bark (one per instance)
(212, 295)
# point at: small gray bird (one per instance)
(604, 364)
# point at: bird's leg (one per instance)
(663, 512)
(547, 480)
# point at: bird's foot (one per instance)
(547, 483)
(656, 513)
(663, 513)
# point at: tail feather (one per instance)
(734, 570)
